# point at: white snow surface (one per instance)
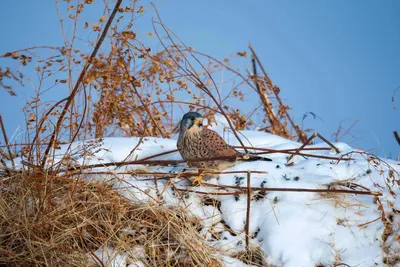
(292, 228)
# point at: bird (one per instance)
(196, 142)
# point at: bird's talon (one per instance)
(198, 179)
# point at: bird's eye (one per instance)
(192, 118)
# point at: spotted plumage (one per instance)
(197, 142)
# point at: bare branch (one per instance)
(79, 81)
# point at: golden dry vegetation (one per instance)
(119, 86)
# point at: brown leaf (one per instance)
(32, 117)
(242, 54)
(86, 25)
(96, 27)
(63, 81)
(14, 55)
(129, 35)
(102, 19)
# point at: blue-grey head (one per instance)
(191, 121)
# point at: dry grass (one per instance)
(51, 221)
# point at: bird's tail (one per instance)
(251, 157)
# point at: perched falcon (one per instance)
(197, 142)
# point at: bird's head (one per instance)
(191, 121)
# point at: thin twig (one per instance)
(134, 149)
(3, 129)
(329, 143)
(308, 141)
(30, 48)
(175, 162)
(300, 133)
(164, 175)
(396, 135)
(207, 193)
(274, 189)
(364, 224)
(340, 264)
(248, 210)
(7, 170)
(79, 81)
(193, 74)
(145, 106)
(273, 121)
(266, 151)
(299, 190)
(96, 258)
(39, 127)
(148, 162)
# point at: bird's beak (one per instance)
(199, 122)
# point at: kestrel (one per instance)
(196, 142)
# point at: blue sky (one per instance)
(338, 59)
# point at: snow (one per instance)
(112, 258)
(292, 228)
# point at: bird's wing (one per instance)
(217, 145)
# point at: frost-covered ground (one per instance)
(292, 228)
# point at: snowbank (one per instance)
(292, 228)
